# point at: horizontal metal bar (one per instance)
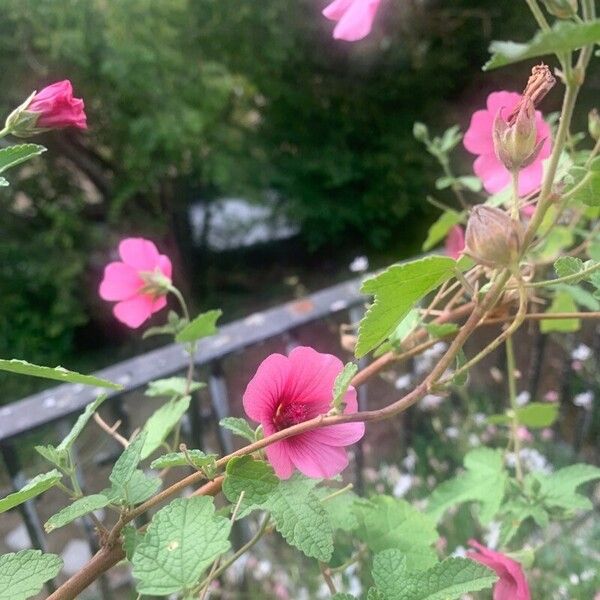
(63, 400)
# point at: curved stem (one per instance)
(181, 301)
(566, 279)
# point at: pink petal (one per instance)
(165, 266)
(335, 11)
(357, 21)
(346, 433)
(141, 254)
(315, 459)
(135, 311)
(455, 242)
(478, 138)
(265, 390)
(120, 282)
(311, 379)
(492, 172)
(159, 303)
(502, 99)
(530, 178)
(279, 458)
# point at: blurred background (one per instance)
(258, 152)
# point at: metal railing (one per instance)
(57, 406)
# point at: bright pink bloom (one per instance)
(478, 140)
(512, 584)
(455, 242)
(138, 283)
(289, 390)
(57, 107)
(354, 17)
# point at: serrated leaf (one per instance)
(396, 290)
(38, 485)
(53, 455)
(341, 385)
(588, 186)
(162, 422)
(138, 489)
(172, 386)
(343, 597)
(559, 489)
(556, 241)
(386, 522)
(483, 482)
(14, 155)
(564, 36)
(447, 580)
(566, 266)
(375, 594)
(199, 459)
(80, 507)
(439, 230)
(127, 463)
(181, 542)
(340, 509)
(562, 302)
(517, 511)
(253, 477)
(23, 574)
(202, 326)
(131, 538)
(238, 426)
(80, 424)
(537, 414)
(301, 518)
(23, 367)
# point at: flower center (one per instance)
(288, 414)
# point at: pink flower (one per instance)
(524, 434)
(479, 140)
(289, 390)
(455, 242)
(139, 283)
(354, 17)
(512, 584)
(57, 108)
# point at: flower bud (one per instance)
(594, 123)
(563, 9)
(493, 238)
(515, 140)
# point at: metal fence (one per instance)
(58, 406)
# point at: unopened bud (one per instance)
(493, 238)
(420, 132)
(594, 123)
(563, 9)
(515, 140)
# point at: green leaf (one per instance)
(38, 485)
(131, 538)
(138, 489)
(470, 182)
(80, 507)
(537, 414)
(14, 155)
(341, 385)
(556, 241)
(202, 326)
(253, 477)
(483, 482)
(447, 580)
(127, 463)
(80, 424)
(375, 594)
(162, 422)
(182, 540)
(460, 379)
(386, 522)
(343, 597)
(396, 290)
(439, 230)
(518, 511)
(53, 455)
(238, 426)
(564, 36)
(440, 330)
(340, 509)
(199, 459)
(588, 186)
(301, 519)
(562, 302)
(582, 297)
(559, 489)
(566, 266)
(172, 386)
(23, 574)
(58, 373)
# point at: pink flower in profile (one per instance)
(57, 108)
(479, 140)
(139, 283)
(289, 390)
(512, 584)
(354, 18)
(455, 242)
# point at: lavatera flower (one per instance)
(287, 390)
(354, 18)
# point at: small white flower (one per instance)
(403, 382)
(459, 552)
(402, 486)
(430, 402)
(584, 400)
(582, 352)
(587, 575)
(410, 461)
(474, 440)
(523, 398)
(451, 432)
(359, 264)
(480, 418)
(574, 579)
